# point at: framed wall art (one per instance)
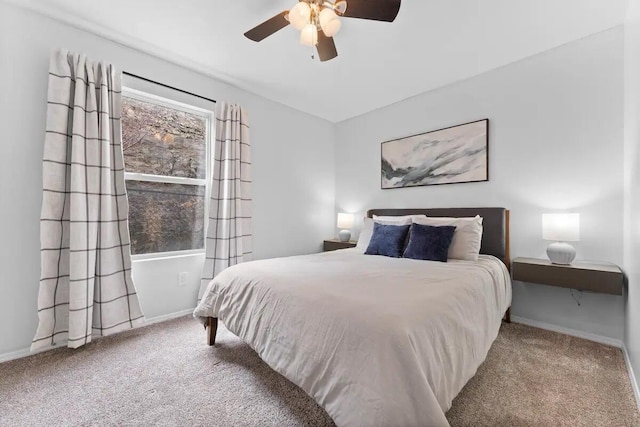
(446, 156)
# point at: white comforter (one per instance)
(376, 341)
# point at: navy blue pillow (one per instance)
(387, 240)
(429, 243)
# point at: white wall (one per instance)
(632, 183)
(556, 143)
(293, 158)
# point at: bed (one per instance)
(376, 341)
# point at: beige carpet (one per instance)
(166, 375)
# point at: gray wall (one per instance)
(632, 184)
(556, 143)
(293, 176)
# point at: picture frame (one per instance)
(452, 155)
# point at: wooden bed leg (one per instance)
(507, 315)
(212, 328)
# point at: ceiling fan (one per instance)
(319, 20)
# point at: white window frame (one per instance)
(143, 177)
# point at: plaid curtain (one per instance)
(86, 287)
(229, 227)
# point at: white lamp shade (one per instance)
(309, 35)
(345, 220)
(299, 15)
(329, 22)
(563, 227)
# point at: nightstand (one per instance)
(335, 244)
(586, 276)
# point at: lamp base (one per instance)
(561, 253)
(344, 235)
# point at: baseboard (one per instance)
(632, 375)
(19, 354)
(171, 316)
(568, 331)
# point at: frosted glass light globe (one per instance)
(299, 15)
(329, 22)
(309, 35)
(340, 7)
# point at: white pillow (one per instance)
(401, 220)
(367, 226)
(466, 239)
(365, 234)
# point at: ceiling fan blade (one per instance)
(377, 10)
(268, 27)
(326, 47)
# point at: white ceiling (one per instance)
(432, 43)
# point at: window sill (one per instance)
(166, 255)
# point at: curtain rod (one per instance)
(168, 87)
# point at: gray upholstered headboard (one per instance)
(495, 222)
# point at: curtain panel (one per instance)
(229, 237)
(86, 287)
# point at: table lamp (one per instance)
(561, 228)
(345, 222)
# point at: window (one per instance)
(165, 145)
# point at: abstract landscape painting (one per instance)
(447, 156)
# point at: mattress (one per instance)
(376, 341)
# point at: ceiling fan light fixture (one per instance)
(309, 35)
(299, 15)
(317, 26)
(329, 22)
(340, 7)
